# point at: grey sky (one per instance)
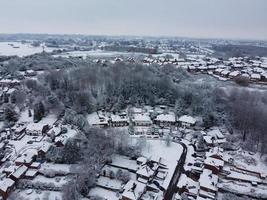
(190, 18)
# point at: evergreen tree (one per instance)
(39, 111)
(10, 113)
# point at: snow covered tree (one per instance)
(39, 111)
(70, 192)
(71, 152)
(10, 113)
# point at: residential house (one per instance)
(6, 185)
(213, 164)
(255, 77)
(133, 190)
(147, 171)
(225, 73)
(208, 181)
(164, 120)
(186, 121)
(19, 173)
(119, 120)
(26, 158)
(41, 153)
(141, 120)
(31, 173)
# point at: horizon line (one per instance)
(143, 36)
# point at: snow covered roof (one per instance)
(124, 162)
(35, 127)
(191, 186)
(35, 164)
(225, 72)
(166, 118)
(255, 76)
(137, 110)
(5, 184)
(31, 172)
(264, 65)
(145, 171)
(212, 67)
(117, 118)
(64, 137)
(219, 70)
(10, 169)
(187, 119)
(97, 119)
(214, 162)
(141, 159)
(234, 73)
(215, 151)
(10, 91)
(27, 156)
(141, 118)
(133, 190)
(244, 177)
(19, 172)
(208, 180)
(216, 133)
(9, 81)
(245, 75)
(55, 130)
(45, 147)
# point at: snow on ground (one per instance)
(93, 118)
(21, 145)
(244, 188)
(96, 53)
(57, 181)
(109, 183)
(50, 119)
(24, 116)
(109, 168)
(23, 50)
(62, 168)
(252, 162)
(106, 194)
(171, 154)
(29, 194)
(125, 162)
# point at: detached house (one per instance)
(186, 121)
(19, 173)
(208, 181)
(119, 120)
(164, 120)
(6, 185)
(133, 190)
(141, 120)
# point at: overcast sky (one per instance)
(189, 18)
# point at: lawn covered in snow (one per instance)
(29, 194)
(101, 192)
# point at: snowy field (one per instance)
(97, 53)
(22, 50)
(30, 194)
(56, 181)
(106, 194)
(24, 117)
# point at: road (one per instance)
(177, 173)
